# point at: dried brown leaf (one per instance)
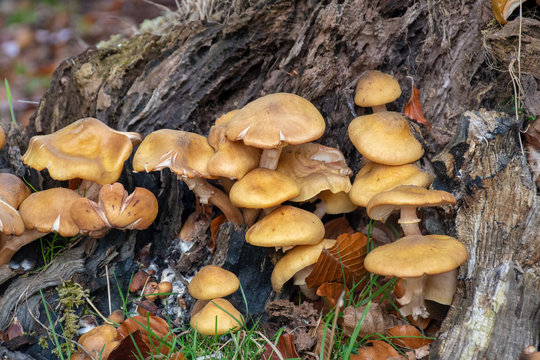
(129, 347)
(375, 350)
(159, 330)
(285, 345)
(374, 321)
(331, 291)
(344, 260)
(407, 336)
(15, 329)
(413, 109)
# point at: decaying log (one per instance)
(187, 77)
(496, 312)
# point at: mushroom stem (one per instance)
(269, 158)
(320, 209)
(378, 108)
(409, 221)
(9, 245)
(250, 215)
(210, 194)
(413, 299)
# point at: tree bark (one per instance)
(189, 76)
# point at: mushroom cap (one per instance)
(374, 178)
(100, 338)
(232, 159)
(213, 282)
(263, 188)
(12, 189)
(86, 149)
(12, 192)
(383, 204)
(276, 119)
(502, 9)
(375, 88)
(385, 138)
(286, 226)
(338, 203)
(217, 318)
(315, 168)
(185, 153)
(295, 260)
(116, 209)
(416, 255)
(49, 210)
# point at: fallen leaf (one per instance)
(214, 230)
(343, 261)
(130, 347)
(155, 338)
(375, 350)
(285, 345)
(413, 109)
(15, 329)
(407, 336)
(331, 291)
(336, 227)
(374, 320)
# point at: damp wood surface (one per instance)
(188, 77)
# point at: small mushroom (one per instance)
(217, 318)
(213, 282)
(99, 342)
(406, 198)
(375, 89)
(12, 193)
(273, 121)
(413, 258)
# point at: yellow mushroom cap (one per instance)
(416, 255)
(100, 341)
(295, 260)
(383, 204)
(276, 119)
(49, 211)
(374, 178)
(385, 138)
(213, 282)
(185, 153)
(338, 203)
(315, 168)
(232, 159)
(286, 226)
(375, 88)
(502, 9)
(2, 137)
(12, 192)
(86, 149)
(263, 188)
(217, 318)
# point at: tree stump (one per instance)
(189, 76)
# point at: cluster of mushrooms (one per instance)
(261, 155)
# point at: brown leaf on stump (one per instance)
(336, 227)
(373, 322)
(285, 345)
(413, 109)
(214, 230)
(407, 336)
(344, 260)
(331, 291)
(375, 350)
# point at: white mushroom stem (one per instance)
(412, 300)
(210, 194)
(409, 221)
(320, 209)
(9, 245)
(269, 158)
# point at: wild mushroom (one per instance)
(296, 260)
(286, 226)
(12, 193)
(375, 89)
(385, 138)
(186, 154)
(374, 178)
(42, 212)
(217, 318)
(115, 209)
(333, 204)
(213, 282)
(2, 137)
(502, 9)
(412, 258)
(86, 149)
(98, 342)
(273, 121)
(406, 198)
